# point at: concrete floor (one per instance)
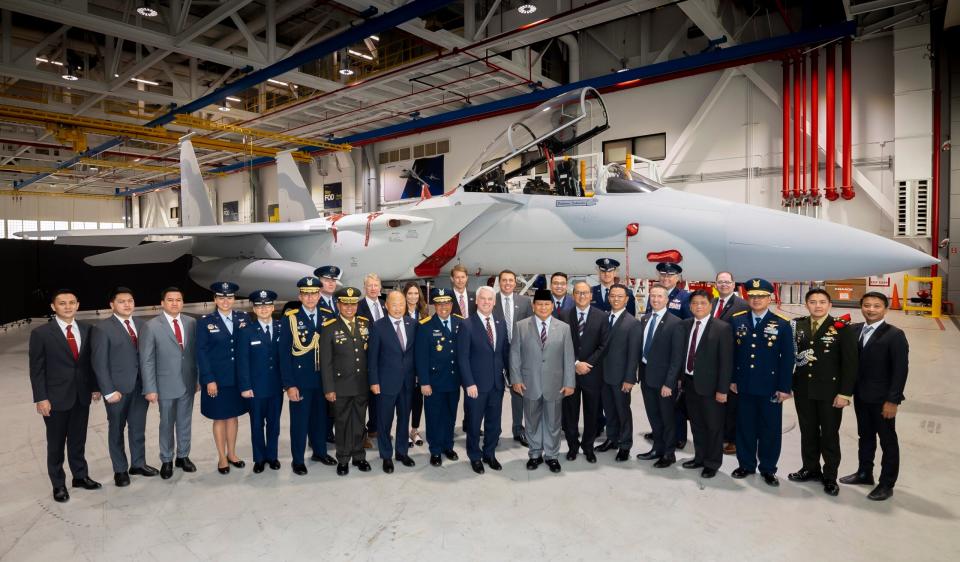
(588, 512)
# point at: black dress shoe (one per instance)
(121, 479)
(804, 475)
(830, 487)
(86, 483)
(237, 463)
(388, 466)
(405, 460)
(572, 455)
(665, 461)
(880, 493)
(533, 463)
(648, 456)
(258, 467)
(522, 440)
(166, 470)
(324, 459)
(858, 478)
(343, 469)
(185, 464)
(648, 436)
(362, 465)
(740, 473)
(299, 469)
(451, 455)
(681, 443)
(554, 465)
(590, 456)
(274, 464)
(691, 464)
(477, 466)
(145, 470)
(60, 494)
(770, 479)
(623, 455)
(493, 463)
(224, 469)
(331, 439)
(708, 472)
(605, 446)
(436, 460)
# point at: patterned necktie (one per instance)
(375, 311)
(865, 334)
(399, 323)
(463, 306)
(133, 335)
(581, 324)
(508, 317)
(543, 334)
(72, 342)
(177, 332)
(612, 320)
(490, 332)
(692, 352)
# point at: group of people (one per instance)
(351, 364)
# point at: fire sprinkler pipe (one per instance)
(830, 90)
(847, 185)
(797, 102)
(814, 127)
(785, 106)
(803, 128)
(937, 133)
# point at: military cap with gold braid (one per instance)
(309, 285)
(348, 295)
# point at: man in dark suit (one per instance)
(63, 386)
(483, 355)
(463, 301)
(513, 308)
(115, 357)
(562, 302)
(590, 330)
(619, 366)
(439, 374)
(707, 370)
(372, 309)
(881, 378)
(391, 372)
(661, 360)
(607, 272)
(822, 387)
(723, 308)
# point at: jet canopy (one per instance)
(541, 135)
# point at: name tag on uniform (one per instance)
(674, 305)
(256, 342)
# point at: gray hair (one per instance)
(486, 288)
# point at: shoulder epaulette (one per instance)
(741, 312)
(364, 318)
(425, 320)
(458, 316)
(328, 322)
(781, 316)
(291, 312)
(324, 309)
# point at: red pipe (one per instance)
(786, 132)
(935, 207)
(803, 127)
(797, 94)
(814, 127)
(847, 185)
(830, 90)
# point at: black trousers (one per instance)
(730, 421)
(349, 412)
(870, 425)
(706, 419)
(570, 417)
(662, 418)
(819, 435)
(616, 405)
(67, 428)
(416, 407)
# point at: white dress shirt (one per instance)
(703, 328)
(493, 326)
(63, 329)
(375, 310)
(875, 325)
(124, 324)
(179, 319)
(655, 318)
(541, 323)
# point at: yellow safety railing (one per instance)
(936, 295)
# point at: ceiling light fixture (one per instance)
(147, 82)
(69, 76)
(147, 10)
(277, 82)
(528, 7)
(375, 38)
(232, 98)
(225, 106)
(346, 72)
(359, 54)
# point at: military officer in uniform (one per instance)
(762, 376)
(300, 374)
(822, 387)
(258, 373)
(607, 271)
(220, 398)
(328, 275)
(439, 375)
(343, 365)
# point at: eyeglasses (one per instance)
(724, 282)
(581, 293)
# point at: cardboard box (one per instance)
(846, 291)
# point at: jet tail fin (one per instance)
(195, 203)
(295, 201)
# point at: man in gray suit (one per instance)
(116, 363)
(541, 371)
(513, 308)
(169, 369)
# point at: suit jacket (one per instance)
(168, 370)
(666, 355)
(216, 348)
(480, 363)
(436, 354)
(883, 367)
(471, 304)
(54, 374)
(591, 347)
(343, 357)
(604, 304)
(622, 351)
(735, 305)
(522, 308)
(363, 309)
(713, 363)
(561, 312)
(258, 360)
(388, 365)
(543, 370)
(826, 361)
(114, 357)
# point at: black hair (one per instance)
(559, 274)
(112, 296)
(817, 291)
(700, 293)
(62, 291)
(619, 286)
(171, 289)
(876, 295)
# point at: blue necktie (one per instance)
(651, 326)
(312, 321)
(446, 326)
(228, 321)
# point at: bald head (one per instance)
(396, 304)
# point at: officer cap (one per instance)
(759, 287)
(224, 289)
(348, 295)
(309, 285)
(607, 264)
(328, 271)
(263, 296)
(438, 295)
(669, 268)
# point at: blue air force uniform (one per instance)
(763, 365)
(678, 300)
(258, 369)
(436, 361)
(216, 359)
(599, 299)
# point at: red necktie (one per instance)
(72, 342)
(177, 332)
(490, 332)
(719, 309)
(133, 336)
(692, 352)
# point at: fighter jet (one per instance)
(502, 217)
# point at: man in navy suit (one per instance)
(258, 373)
(439, 374)
(483, 355)
(390, 371)
(562, 302)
